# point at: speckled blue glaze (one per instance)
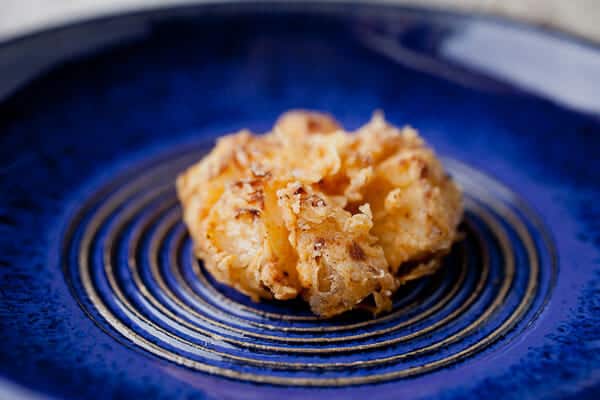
(125, 90)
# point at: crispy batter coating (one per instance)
(341, 219)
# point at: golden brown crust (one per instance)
(310, 210)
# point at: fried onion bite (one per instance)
(341, 219)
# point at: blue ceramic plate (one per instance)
(102, 298)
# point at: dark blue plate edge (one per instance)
(311, 6)
(308, 6)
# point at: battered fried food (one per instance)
(341, 219)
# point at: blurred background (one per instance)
(577, 17)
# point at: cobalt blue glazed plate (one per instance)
(101, 296)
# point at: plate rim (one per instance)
(314, 6)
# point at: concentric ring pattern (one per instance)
(128, 260)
